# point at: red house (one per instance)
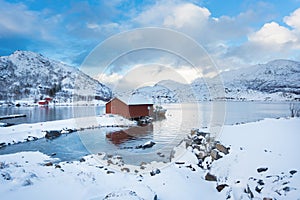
(43, 103)
(133, 107)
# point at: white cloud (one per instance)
(147, 75)
(17, 20)
(10, 22)
(293, 20)
(186, 15)
(273, 33)
(109, 79)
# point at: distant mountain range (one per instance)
(278, 80)
(26, 74)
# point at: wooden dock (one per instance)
(12, 116)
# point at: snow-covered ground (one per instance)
(269, 145)
(22, 132)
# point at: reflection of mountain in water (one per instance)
(133, 133)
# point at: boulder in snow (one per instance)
(52, 134)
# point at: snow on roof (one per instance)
(135, 100)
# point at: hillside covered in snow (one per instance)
(26, 74)
(278, 80)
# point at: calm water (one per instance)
(43, 114)
(180, 119)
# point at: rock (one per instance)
(188, 142)
(201, 155)
(249, 192)
(191, 167)
(267, 198)
(146, 145)
(122, 194)
(57, 166)
(210, 177)
(27, 182)
(292, 172)
(222, 148)
(262, 169)
(260, 182)
(110, 162)
(221, 187)
(6, 176)
(52, 134)
(203, 134)
(2, 144)
(198, 139)
(142, 167)
(215, 154)
(258, 189)
(82, 160)
(194, 131)
(179, 163)
(48, 164)
(154, 172)
(110, 172)
(286, 189)
(125, 169)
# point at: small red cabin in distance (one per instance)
(43, 103)
(133, 107)
(49, 99)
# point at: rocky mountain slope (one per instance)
(25, 74)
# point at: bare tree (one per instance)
(295, 110)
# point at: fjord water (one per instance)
(166, 133)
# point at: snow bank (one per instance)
(270, 144)
(22, 132)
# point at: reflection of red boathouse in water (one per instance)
(133, 107)
(118, 137)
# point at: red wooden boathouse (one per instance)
(133, 107)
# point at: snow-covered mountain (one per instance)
(158, 93)
(26, 74)
(275, 80)
(167, 91)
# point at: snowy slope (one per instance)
(169, 91)
(158, 93)
(25, 74)
(276, 80)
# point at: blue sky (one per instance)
(235, 33)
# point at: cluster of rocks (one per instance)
(52, 134)
(28, 139)
(206, 149)
(146, 145)
(280, 184)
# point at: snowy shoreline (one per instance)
(26, 132)
(262, 163)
